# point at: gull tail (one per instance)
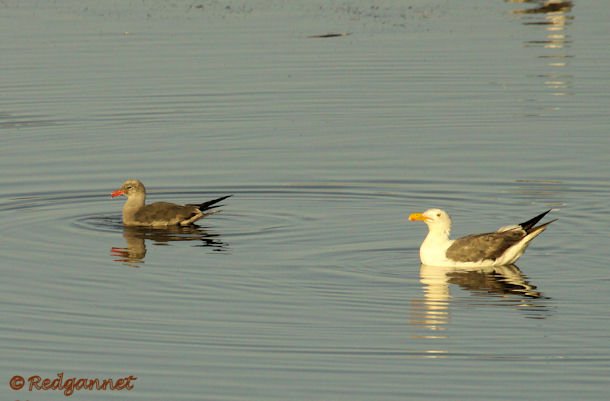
(528, 226)
(211, 204)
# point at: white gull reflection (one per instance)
(502, 285)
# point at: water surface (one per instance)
(308, 285)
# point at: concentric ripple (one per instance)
(316, 216)
(349, 222)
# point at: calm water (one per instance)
(308, 285)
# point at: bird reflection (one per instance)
(555, 16)
(544, 6)
(135, 237)
(432, 311)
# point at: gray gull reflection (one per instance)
(135, 237)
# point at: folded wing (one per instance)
(488, 246)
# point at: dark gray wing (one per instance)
(165, 211)
(474, 248)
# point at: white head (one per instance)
(437, 220)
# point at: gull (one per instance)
(499, 248)
(159, 214)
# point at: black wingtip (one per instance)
(528, 225)
(211, 204)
